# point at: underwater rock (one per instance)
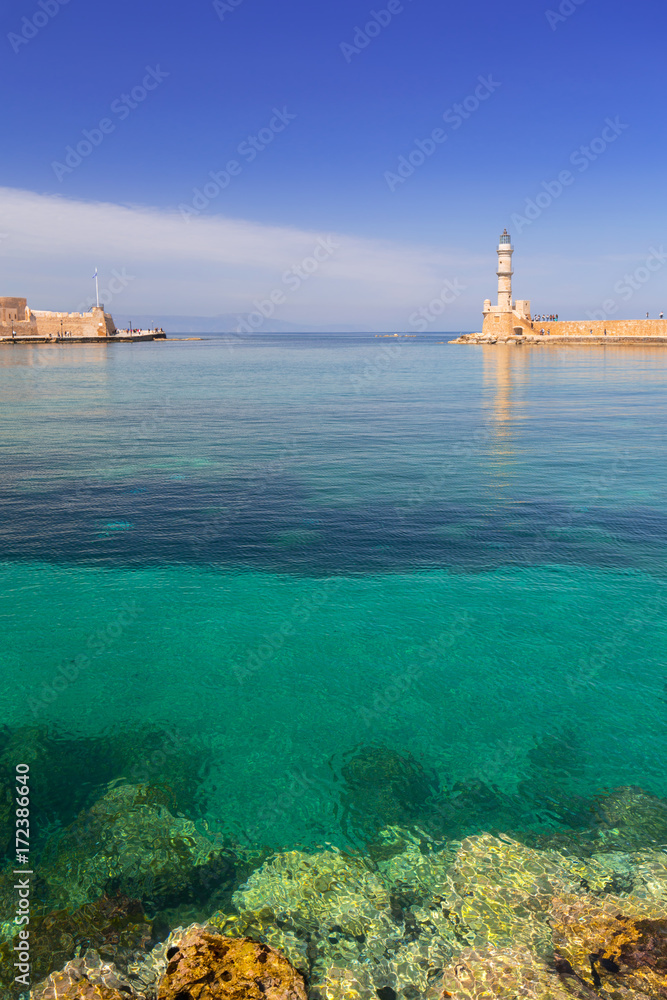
(384, 788)
(315, 908)
(311, 890)
(114, 928)
(86, 978)
(337, 920)
(616, 946)
(7, 827)
(205, 966)
(649, 875)
(631, 819)
(128, 842)
(499, 892)
(67, 771)
(471, 807)
(505, 974)
(555, 779)
(408, 975)
(418, 870)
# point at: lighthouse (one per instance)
(505, 272)
(508, 318)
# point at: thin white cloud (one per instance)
(213, 265)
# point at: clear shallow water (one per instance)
(280, 554)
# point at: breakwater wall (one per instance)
(513, 328)
(596, 328)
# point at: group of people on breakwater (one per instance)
(553, 318)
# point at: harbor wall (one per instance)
(503, 325)
(614, 328)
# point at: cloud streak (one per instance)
(213, 264)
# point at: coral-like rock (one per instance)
(613, 944)
(204, 966)
(129, 842)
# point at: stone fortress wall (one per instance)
(16, 318)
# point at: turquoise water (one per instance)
(285, 553)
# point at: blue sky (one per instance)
(347, 117)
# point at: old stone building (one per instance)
(12, 310)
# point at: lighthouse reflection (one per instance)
(505, 381)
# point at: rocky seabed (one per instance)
(412, 918)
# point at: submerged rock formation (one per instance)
(86, 978)
(412, 918)
(115, 929)
(382, 787)
(204, 966)
(130, 842)
(615, 946)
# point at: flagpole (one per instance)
(97, 288)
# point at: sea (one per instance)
(322, 584)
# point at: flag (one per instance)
(95, 275)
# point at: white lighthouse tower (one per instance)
(508, 318)
(505, 272)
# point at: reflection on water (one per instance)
(506, 373)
